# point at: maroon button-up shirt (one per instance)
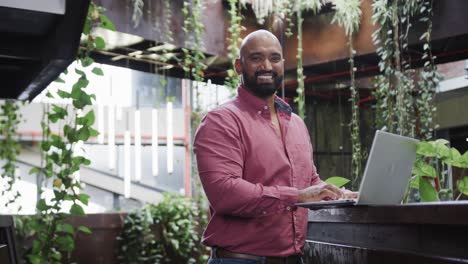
(251, 176)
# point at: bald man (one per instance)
(255, 162)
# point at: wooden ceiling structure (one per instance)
(325, 51)
(324, 57)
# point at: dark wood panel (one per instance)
(453, 213)
(441, 240)
(326, 253)
(416, 233)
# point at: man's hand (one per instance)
(322, 191)
(347, 194)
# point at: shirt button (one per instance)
(265, 107)
(288, 208)
(264, 212)
(259, 112)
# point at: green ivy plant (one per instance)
(384, 89)
(193, 55)
(164, 233)
(234, 40)
(429, 78)
(137, 240)
(348, 16)
(9, 151)
(383, 15)
(397, 108)
(54, 237)
(430, 172)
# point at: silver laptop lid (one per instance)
(388, 169)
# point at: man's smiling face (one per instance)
(261, 64)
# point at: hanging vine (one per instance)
(137, 12)
(234, 40)
(402, 106)
(288, 13)
(300, 99)
(193, 56)
(302, 5)
(167, 22)
(62, 161)
(348, 16)
(9, 150)
(429, 79)
(385, 88)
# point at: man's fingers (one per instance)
(327, 194)
(335, 189)
(322, 191)
(350, 194)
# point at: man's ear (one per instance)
(238, 66)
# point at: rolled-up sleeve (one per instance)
(220, 157)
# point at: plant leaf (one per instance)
(66, 228)
(86, 61)
(65, 243)
(414, 182)
(337, 181)
(423, 169)
(426, 149)
(84, 229)
(77, 210)
(34, 170)
(442, 141)
(41, 205)
(106, 23)
(462, 185)
(464, 160)
(84, 198)
(97, 71)
(99, 42)
(427, 192)
(93, 132)
(83, 133)
(63, 94)
(59, 80)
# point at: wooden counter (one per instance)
(417, 233)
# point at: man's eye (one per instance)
(275, 59)
(256, 59)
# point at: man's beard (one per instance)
(262, 90)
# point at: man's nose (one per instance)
(266, 65)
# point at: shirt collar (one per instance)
(258, 104)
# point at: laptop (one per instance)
(386, 175)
